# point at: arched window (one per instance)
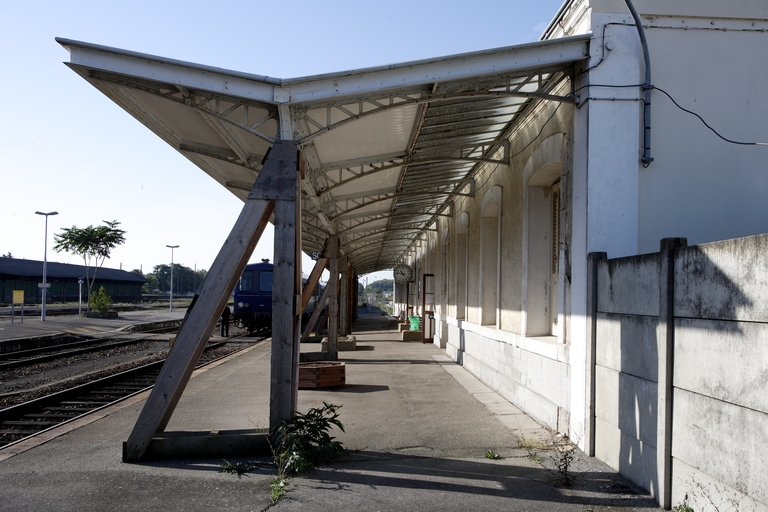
(462, 236)
(489, 255)
(543, 209)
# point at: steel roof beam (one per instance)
(541, 54)
(225, 154)
(196, 100)
(228, 136)
(376, 233)
(194, 76)
(453, 153)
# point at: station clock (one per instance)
(402, 273)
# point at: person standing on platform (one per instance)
(225, 321)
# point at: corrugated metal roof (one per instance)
(11, 268)
(387, 149)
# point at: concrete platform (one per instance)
(72, 324)
(417, 426)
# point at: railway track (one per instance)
(32, 356)
(31, 418)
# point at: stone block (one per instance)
(412, 335)
(348, 344)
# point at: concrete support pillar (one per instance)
(665, 339)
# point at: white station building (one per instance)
(487, 179)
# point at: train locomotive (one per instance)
(253, 299)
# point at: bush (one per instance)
(100, 301)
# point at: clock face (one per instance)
(402, 273)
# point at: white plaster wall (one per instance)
(689, 8)
(613, 150)
(700, 186)
(539, 384)
(704, 54)
(533, 373)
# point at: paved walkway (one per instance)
(417, 427)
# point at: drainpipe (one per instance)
(646, 159)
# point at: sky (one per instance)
(66, 147)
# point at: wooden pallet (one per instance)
(321, 374)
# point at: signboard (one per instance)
(18, 296)
(43, 285)
(315, 255)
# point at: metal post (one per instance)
(44, 284)
(80, 297)
(172, 248)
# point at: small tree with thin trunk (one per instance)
(94, 244)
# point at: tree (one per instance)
(94, 244)
(185, 280)
(8, 255)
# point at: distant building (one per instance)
(18, 274)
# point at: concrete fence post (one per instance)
(593, 259)
(665, 340)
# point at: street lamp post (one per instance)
(172, 247)
(44, 284)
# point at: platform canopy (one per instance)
(386, 150)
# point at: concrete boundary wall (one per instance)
(681, 370)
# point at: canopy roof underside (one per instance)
(386, 150)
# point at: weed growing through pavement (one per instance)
(683, 507)
(238, 467)
(532, 453)
(563, 464)
(302, 442)
(490, 454)
(298, 445)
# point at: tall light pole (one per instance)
(44, 284)
(172, 248)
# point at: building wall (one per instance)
(501, 354)
(610, 203)
(698, 186)
(67, 290)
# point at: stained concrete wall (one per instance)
(721, 372)
(626, 366)
(719, 418)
